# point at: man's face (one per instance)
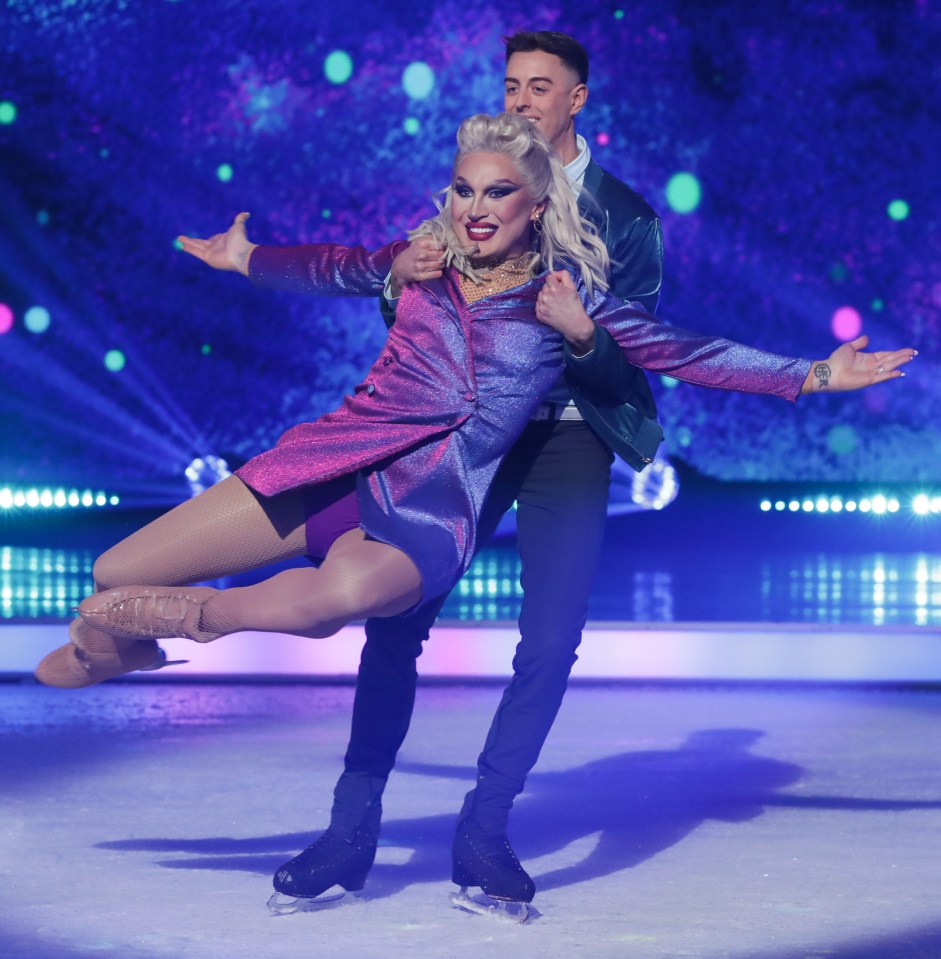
(541, 87)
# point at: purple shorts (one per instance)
(332, 510)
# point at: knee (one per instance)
(107, 572)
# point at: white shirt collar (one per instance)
(575, 171)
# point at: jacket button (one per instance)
(386, 360)
(370, 389)
(470, 397)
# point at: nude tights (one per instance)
(229, 529)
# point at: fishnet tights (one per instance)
(228, 529)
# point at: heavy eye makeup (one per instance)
(498, 190)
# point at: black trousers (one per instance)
(558, 473)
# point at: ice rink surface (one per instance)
(788, 821)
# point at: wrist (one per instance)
(582, 342)
(242, 258)
(818, 377)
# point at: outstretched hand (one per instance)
(224, 251)
(848, 368)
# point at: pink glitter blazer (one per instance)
(451, 390)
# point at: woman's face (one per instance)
(491, 209)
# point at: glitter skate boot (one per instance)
(150, 612)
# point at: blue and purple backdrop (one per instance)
(791, 147)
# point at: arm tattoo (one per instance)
(822, 375)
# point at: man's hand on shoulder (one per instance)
(421, 260)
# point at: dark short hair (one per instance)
(567, 49)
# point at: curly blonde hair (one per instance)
(566, 238)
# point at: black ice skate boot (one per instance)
(341, 857)
(486, 859)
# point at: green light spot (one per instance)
(877, 305)
(37, 319)
(326, 214)
(618, 14)
(838, 272)
(669, 382)
(411, 126)
(205, 349)
(338, 67)
(224, 172)
(42, 217)
(177, 245)
(115, 361)
(683, 192)
(842, 439)
(7, 112)
(898, 210)
(418, 80)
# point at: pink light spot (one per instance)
(846, 324)
(6, 319)
(603, 139)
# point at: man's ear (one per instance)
(579, 97)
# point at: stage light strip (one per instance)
(879, 504)
(55, 498)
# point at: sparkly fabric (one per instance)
(451, 390)
(502, 276)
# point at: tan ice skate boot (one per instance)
(150, 612)
(93, 656)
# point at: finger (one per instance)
(565, 279)
(860, 343)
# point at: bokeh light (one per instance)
(7, 112)
(683, 192)
(115, 361)
(846, 323)
(6, 318)
(338, 67)
(898, 210)
(411, 126)
(842, 439)
(224, 172)
(37, 319)
(603, 139)
(418, 80)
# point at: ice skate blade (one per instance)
(281, 905)
(504, 910)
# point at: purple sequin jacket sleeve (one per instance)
(323, 268)
(697, 357)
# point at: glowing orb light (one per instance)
(7, 112)
(846, 323)
(842, 439)
(898, 210)
(338, 67)
(683, 192)
(603, 139)
(6, 319)
(411, 126)
(418, 80)
(37, 319)
(225, 172)
(115, 361)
